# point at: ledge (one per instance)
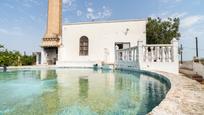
(186, 97)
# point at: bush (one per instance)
(14, 58)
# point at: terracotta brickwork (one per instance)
(54, 24)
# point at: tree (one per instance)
(162, 32)
(1, 46)
(28, 60)
(14, 58)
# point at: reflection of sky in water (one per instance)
(78, 91)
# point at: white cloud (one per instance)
(4, 31)
(68, 2)
(79, 12)
(167, 1)
(191, 21)
(166, 14)
(90, 10)
(69, 5)
(104, 12)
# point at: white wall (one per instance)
(102, 35)
(199, 69)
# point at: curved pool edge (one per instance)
(185, 97)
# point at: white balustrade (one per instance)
(162, 57)
(151, 53)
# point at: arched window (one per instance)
(84, 46)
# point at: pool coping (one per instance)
(185, 97)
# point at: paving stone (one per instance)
(186, 97)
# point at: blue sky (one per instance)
(23, 22)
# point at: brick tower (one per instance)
(52, 38)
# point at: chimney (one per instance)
(52, 37)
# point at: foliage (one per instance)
(27, 60)
(1, 46)
(162, 32)
(14, 58)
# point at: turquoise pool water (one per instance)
(79, 92)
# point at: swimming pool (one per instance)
(79, 92)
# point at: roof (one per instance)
(111, 21)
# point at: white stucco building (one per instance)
(118, 43)
(85, 44)
(89, 43)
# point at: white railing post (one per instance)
(140, 53)
(43, 57)
(174, 42)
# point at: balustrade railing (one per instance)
(129, 54)
(151, 53)
(163, 57)
(158, 53)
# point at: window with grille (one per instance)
(84, 46)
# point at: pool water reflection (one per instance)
(78, 92)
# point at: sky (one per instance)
(23, 22)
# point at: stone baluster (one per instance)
(147, 54)
(169, 53)
(118, 53)
(122, 55)
(126, 55)
(144, 52)
(135, 51)
(116, 58)
(152, 54)
(158, 54)
(133, 54)
(163, 54)
(119, 56)
(172, 53)
(166, 54)
(136, 54)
